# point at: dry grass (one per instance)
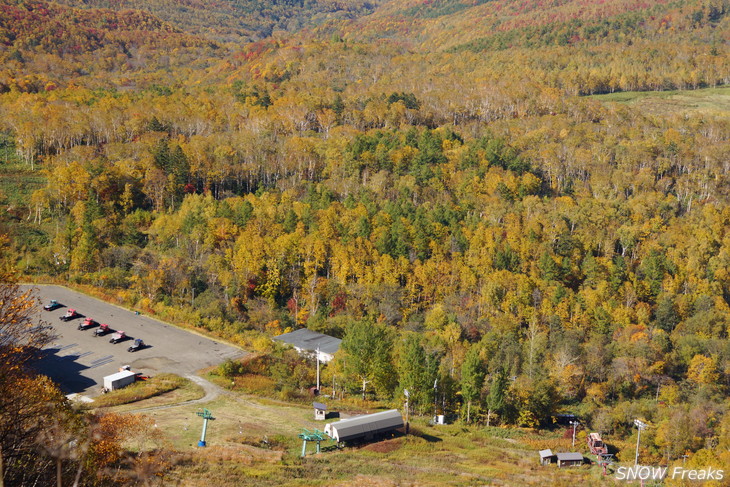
(253, 441)
(255, 384)
(710, 101)
(385, 446)
(451, 455)
(140, 390)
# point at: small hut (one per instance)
(571, 459)
(546, 457)
(320, 411)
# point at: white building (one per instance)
(308, 342)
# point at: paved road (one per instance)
(79, 361)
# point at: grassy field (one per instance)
(253, 441)
(449, 455)
(17, 183)
(711, 101)
(17, 180)
(165, 388)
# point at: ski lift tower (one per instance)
(206, 415)
(307, 435)
(604, 460)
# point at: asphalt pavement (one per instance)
(78, 361)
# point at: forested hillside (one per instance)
(240, 20)
(427, 180)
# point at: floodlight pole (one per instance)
(640, 425)
(317, 369)
(405, 392)
(574, 423)
(435, 395)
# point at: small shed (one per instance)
(546, 457)
(366, 426)
(121, 379)
(320, 411)
(570, 459)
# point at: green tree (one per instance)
(549, 269)
(366, 353)
(667, 317)
(417, 372)
(495, 398)
(472, 378)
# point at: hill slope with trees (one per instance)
(427, 181)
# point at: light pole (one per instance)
(405, 393)
(435, 395)
(574, 423)
(317, 369)
(640, 425)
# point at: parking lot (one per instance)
(79, 361)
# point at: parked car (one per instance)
(70, 315)
(52, 305)
(118, 337)
(87, 323)
(137, 345)
(102, 330)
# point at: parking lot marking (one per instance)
(101, 363)
(174, 349)
(103, 359)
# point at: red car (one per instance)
(118, 337)
(70, 315)
(87, 323)
(102, 330)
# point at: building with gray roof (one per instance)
(307, 341)
(570, 459)
(365, 427)
(546, 457)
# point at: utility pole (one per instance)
(317, 369)
(640, 425)
(435, 396)
(405, 392)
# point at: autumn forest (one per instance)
(460, 190)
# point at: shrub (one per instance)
(230, 368)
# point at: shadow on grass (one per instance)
(420, 434)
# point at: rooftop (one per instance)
(546, 453)
(309, 340)
(119, 375)
(569, 457)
